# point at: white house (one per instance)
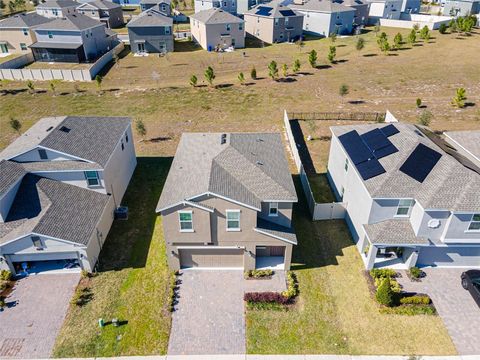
(56, 8)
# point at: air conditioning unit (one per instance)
(121, 213)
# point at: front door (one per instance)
(141, 47)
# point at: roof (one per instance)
(276, 231)
(10, 174)
(215, 16)
(54, 209)
(351, 2)
(448, 186)
(101, 4)
(248, 168)
(393, 232)
(150, 18)
(24, 20)
(75, 21)
(154, 2)
(57, 4)
(272, 10)
(468, 140)
(322, 6)
(54, 45)
(90, 138)
(63, 165)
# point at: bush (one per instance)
(292, 286)
(383, 273)
(266, 297)
(256, 274)
(409, 310)
(2, 302)
(415, 272)
(415, 300)
(442, 29)
(5, 275)
(385, 295)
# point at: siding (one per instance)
(153, 37)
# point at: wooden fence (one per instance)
(338, 116)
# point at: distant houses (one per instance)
(105, 11)
(461, 7)
(56, 8)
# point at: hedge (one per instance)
(416, 300)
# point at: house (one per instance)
(384, 9)
(461, 7)
(217, 29)
(229, 6)
(151, 32)
(74, 38)
(227, 202)
(274, 23)
(323, 17)
(361, 10)
(127, 3)
(411, 6)
(56, 8)
(105, 11)
(16, 32)
(61, 183)
(411, 199)
(163, 6)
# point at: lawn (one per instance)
(132, 283)
(334, 313)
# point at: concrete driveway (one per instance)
(458, 310)
(35, 312)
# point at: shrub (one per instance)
(253, 73)
(2, 302)
(5, 275)
(442, 29)
(409, 310)
(292, 286)
(415, 272)
(385, 295)
(383, 273)
(256, 274)
(172, 291)
(266, 297)
(416, 300)
(419, 102)
(425, 118)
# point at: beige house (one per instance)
(217, 29)
(227, 203)
(274, 23)
(16, 34)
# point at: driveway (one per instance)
(458, 310)
(36, 310)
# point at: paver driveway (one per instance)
(37, 308)
(458, 310)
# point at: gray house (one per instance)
(56, 8)
(151, 32)
(461, 7)
(384, 9)
(105, 11)
(323, 17)
(411, 199)
(61, 183)
(227, 203)
(274, 23)
(229, 6)
(164, 6)
(361, 10)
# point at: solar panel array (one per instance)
(264, 11)
(420, 162)
(287, 13)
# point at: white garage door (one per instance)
(211, 258)
(43, 256)
(449, 256)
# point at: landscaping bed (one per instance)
(258, 274)
(274, 300)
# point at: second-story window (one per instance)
(273, 209)
(186, 221)
(50, 35)
(43, 154)
(240, 26)
(227, 26)
(233, 220)
(475, 223)
(92, 178)
(25, 32)
(276, 21)
(167, 30)
(404, 207)
(346, 165)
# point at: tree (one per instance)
(442, 29)
(332, 53)
(253, 73)
(312, 58)
(360, 44)
(453, 26)
(11, 7)
(343, 90)
(209, 75)
(140, 128)
(459, 98)
(397, 41)
(15, 124)
(273, 70)
(193, 80)
(419, 102)
(296, 66)
(425, 33)
(425, 118)
(285, 70)
(383, 44)
(333, 36)
(241, 78)
(31, 87)
(385, 295)
(98, 81)
(412, 37)
(53, 87)
(2, 4)
(376, 29)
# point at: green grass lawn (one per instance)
(335, 313)
(322, 192)
(132, 283)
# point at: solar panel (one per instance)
(420, 162)
(370, 169)
(375, 140)
(355, 147)
(385, 151)
(287, 13)
(389, 130)
(263, 10)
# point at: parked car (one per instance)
(471, 282)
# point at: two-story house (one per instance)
(227, 202)
(384, 9)
(217, 29)
(361, 7)
(274, 23)
(16, 32)
(56, 8)
(461, 7)
(74, 38)
(60, 184)
(229, 6)
(105, 11)
(164, 6)
(411, 199)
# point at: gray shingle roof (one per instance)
(55, 209)
(10, 173)
(449, 186)
(154, 2)
(278, 10)
(101, 4)
(57, 4)
(75, 21)
(150, 18)
(469, 140)
(24, 20)
(393, 232)
(216, 16)
(322, 6)
(248, 168)
(59, 165)
(277, 231)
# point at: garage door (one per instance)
(43, 256)
(211, 258)
(449, 256)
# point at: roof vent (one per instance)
(259, 140)
(223, 139)
(259, 163)
(50, 128)
(65, 129)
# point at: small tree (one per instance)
(31, 87)
(312, 58)
(383, 44)
(416, 27)
(397, 41)
(241, 78)
(343, 90)
(98, 81)
(253, 73)
(140, 128)
(442, 29)
(425, 33)
(193, 80)
(209, 75)
(360, 44)
(273, 70)
(53, 87)
(419, 102)
(332, 53)
(425, 118)
(15, 124)
(459, 98)
(412, 37)
(333, 36)
(296, 66)
(285, 70)
(376, 29)
(385, 295)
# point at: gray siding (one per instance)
(323, 24)
(445, 256)
(153, 37)
(226, 5)
(461, 8)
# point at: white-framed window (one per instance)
(474, 223)
(186, 221)
(233, 220)
(92, 178)
(227, 26)
(346, 164)
(404, 207)
(240, 26)
(273, 209)
(37, 242)
(50, 35)
(23, 46)
(286, 21)
(43, 154)
(167, 30)
(25, 32)
(276, 21)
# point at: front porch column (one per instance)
(410, 259)
(371, 256)
(362, 244)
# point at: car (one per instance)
(471, 282)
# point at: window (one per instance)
(25, 32)
(186, 221)
(167, 30)
(276, 22)
(123, 146)
(23, 46)
(346, 165)
(43, 154)
(240, 26)
(273, 210)
(92, 178)
(475, 223)
(224, 4)
(55, 12)
(126, 138)
(404, 207)
(50, 35)
(37, 242)
(227, 26)
(286, 21)
(233, 220)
